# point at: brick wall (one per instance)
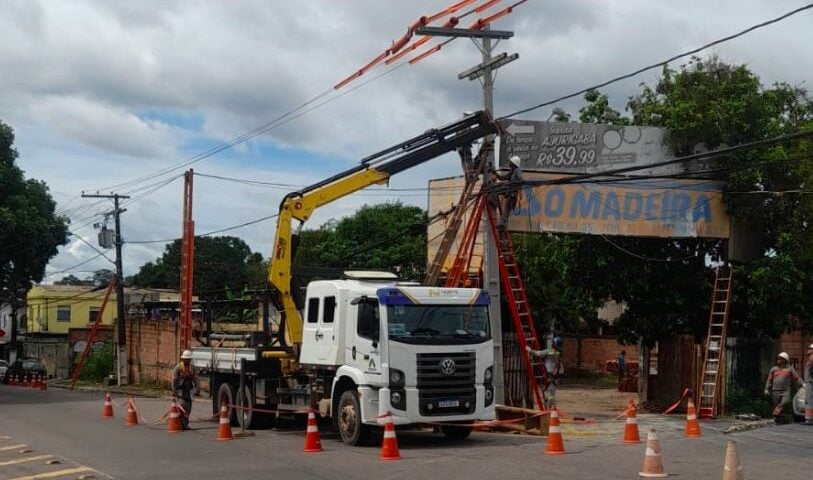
(153, 349)
(594, 352)
(795, 343)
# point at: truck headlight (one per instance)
(488, 378)
(397, 378)
(398, 399)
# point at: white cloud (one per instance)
(85, 85)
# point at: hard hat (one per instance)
(186, 355)
(515, 160)
(784, 355)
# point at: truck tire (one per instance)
(248, 417)
(225, 395)
(455, 432)
(348, 420)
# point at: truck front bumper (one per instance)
(412, 413)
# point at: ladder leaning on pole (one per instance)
(715, 343)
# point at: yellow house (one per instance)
(57, 308)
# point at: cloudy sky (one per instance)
(110, 95)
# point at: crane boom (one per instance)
(374, 169)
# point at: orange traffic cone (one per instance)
(555, 444)
(692, 425)
(631, 428)
(13, 380)
(653, 463)
(224, 430)
(43, 384)
(312, 441)
(132, 415)
(389, 449)
(174, 424)
(732, 469)
(107, 410)
(35, 381)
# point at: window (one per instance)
(63, 313)
(330, 310)
(93, 312)
(313, 310)
(368, 324)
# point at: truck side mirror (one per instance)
(358, 300)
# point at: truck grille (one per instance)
(436, 386)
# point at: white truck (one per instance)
(368, 345)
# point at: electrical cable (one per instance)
(661, 63)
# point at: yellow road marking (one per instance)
(23, 460)
(58, 473)
(12, 447)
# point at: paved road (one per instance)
(68, 427)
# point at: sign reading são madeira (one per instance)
(643, 204)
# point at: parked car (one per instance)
(22, 367)
(3, 368)
(799, 404)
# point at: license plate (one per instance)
(448, 403)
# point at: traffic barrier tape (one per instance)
(686, 392)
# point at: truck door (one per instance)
(325, 334)
(364, 351)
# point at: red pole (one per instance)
(92, 335)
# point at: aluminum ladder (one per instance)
(715, 343)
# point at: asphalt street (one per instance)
(38, 428)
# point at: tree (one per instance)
(30, 229)
(72, 280)
(102, 276)
(388, 236)
(221, 264)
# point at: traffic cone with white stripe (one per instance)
(312, 441)
(556, 445)
(132, 415)
(224, 430)
(174, 424)
(653, 463)
(732, 469)
(13, 380)
(631, 434)
(389, 449)
(107, 410)
(692, 425)
(35, 381)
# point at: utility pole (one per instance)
(491, 271)
(121, 340)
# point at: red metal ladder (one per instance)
(513, 288)
(715, 343)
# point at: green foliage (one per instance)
(220, 262)
(748, 399)
(99, 364)
(388, 236)
(30, 230)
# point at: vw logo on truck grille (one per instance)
(447, 366)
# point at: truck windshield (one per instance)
(438, 324)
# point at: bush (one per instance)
(748, 399)
(99, 364)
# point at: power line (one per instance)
(220, 230)
(48, 274)
(661, 63)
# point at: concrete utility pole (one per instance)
(121, 340)
(491, 270)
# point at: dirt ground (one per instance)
(591, 399)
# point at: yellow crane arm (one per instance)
(374, 169)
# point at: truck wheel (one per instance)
(246, 416)
(348, 419)
(225, 395)
(454, 432)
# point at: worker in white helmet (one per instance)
(809, 386)
(514, 179)
(780, 380)
(184, 385)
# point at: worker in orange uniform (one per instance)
(809, 386)
(185, 385)
(778, 386)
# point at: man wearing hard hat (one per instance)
(780, 380)
(809, 386)
(513, 177)
(184, 385)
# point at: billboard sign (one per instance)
(569, 147)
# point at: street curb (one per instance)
(116, 390)
(744, 427)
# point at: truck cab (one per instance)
(421, 354)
